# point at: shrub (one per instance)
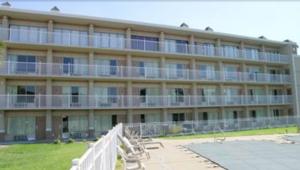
(70, 140)
(57, 141)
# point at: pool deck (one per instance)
(175, 156)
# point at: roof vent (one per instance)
(208, 29)
(262, 37)
(55, 9)
(287, 40)
(184, 25)
(6, 4)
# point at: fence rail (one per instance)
(101, 155)
(210, 126)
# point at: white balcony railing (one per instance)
(105, 71)
(119, 101)
(85, 40)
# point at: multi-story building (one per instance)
(66, 75)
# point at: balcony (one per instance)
(117, 101)
(123, 72)
(104, 42)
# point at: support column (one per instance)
(50, 31)
(129, 116)
(242, 46)
(194, 93)
(244, 75)
(192, 44)
(162, 41)
(221, 70)
(5, 28)
(245, 98)
(49, 60)
(49, 92)
(218, 47)
(129, 93)
(91, 124)
(163, 72)
(91, 35)
(165, 115)
(2, 125)
(193, 69)
(129, 65)
(3, 99)
(221, 93)
(49, 134)
(195, 114)
(92, 71)
(164, 94)
(247, 114)
(128, 38)
(222, 112)
(91, 98)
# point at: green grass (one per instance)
(119, 164)
(269, 131)
(40, 156)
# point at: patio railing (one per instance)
(101, 155)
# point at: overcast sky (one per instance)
(275, 20)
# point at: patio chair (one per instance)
(129, 162)
(134, 149)
(135, 139)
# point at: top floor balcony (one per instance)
(118, 41)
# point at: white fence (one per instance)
(210, 126)
(101, 155)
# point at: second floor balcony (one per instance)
(123, 72)
(117, 101)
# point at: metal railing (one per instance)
(96, 41)
(153, 129)
(118, 101)
(101, 155)
(105, 71)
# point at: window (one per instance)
(113, 67)
(178, 46)
(206, 71)
(26, 64)
(251, 53)
(21, 127)
(68, 67)
(142, 117)
(253, 114)
(108, 40)
(178, 117)
(28, 34)
(205, 116)
(65, 121)
(207, 49)
(114, 120)
(143, 95)
(75, 94)
(70, 37)
(144, 43)
(229, 51)
(179, 95)
(112, 93)
(235, 115)
(25, 94)
(275, 113)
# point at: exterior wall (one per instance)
(49, 121)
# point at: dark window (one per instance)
(142, 118)
(177, 117)
(179, 70)
(205, 116)
(179, 95)
(276, 113)
(114, 120)
(75, 94)
(143, 95)
(26, 64)
(181, 46)
(144, 43)
(275, 92)
(25, 94)
(253, 114)
(235, 115)
(65, 128)
(68, 65)
(112, 93)
(113, 67)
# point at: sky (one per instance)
(276, 20)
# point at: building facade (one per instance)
(73, 76)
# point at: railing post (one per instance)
(75, 164)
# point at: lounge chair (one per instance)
(134, 149)
(135, 139)
(129, 162)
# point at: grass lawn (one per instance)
(270, 131)
(40, 156)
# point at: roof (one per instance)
(117, 23)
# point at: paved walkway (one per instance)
(174, 156)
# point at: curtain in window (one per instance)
(170, 45)
(12, 63)
(57, 36)
(21, 125)
(251, 53)
(78, 123)
(28, 33)
(103, 66)
(109, 40)
(102, 94)
(80, 66)
(14, 33)
(66, 36)
(103, 123)
(172, 70)
(151, 69)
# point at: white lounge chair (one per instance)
(129, 162)
(134, 149)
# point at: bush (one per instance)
(57, 141)
(70, 140)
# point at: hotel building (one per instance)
(65, 75)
